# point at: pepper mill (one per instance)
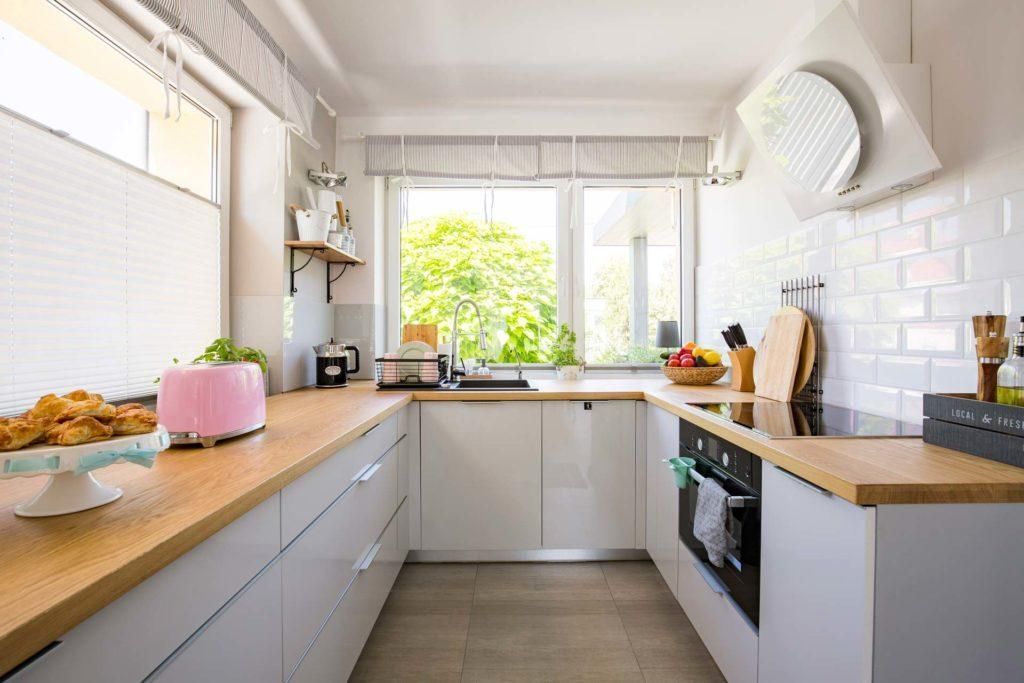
(992, 348)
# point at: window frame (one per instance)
(569, 249)
(110, 28)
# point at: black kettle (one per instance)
(332, 364)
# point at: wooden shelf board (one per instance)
(326, 252)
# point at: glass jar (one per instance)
(1010, 379)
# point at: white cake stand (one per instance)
(70, 489)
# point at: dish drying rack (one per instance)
(411, 373)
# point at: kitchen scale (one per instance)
(799, 419)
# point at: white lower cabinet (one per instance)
(662, 495)
(729, 636)
(817, 572)
(336, 649)
(589, 474)
(241, 643)
(480, 475)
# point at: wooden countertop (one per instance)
(55, 572)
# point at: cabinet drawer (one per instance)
(336, 649)
(325, 557)
(307, 496)
(729, 637)
(129, 638)
(241, 643)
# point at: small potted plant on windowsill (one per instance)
(563, 355)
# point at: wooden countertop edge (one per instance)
(37, 631)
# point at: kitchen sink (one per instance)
(491, 385)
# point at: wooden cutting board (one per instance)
(423, 333)
(778, 356)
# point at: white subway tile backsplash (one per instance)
(906, 372)
(789, 267)
(903, 241)
(909, 304)
(954, 376)
(932, 198)
(764, 273)
(802, 240)
(838, 392)
(1003, 257)
(994, 177)
(964, 300)
(1013, 212)
(838, 337)
(969, 224)
(913, 407)
(1013, 292)
(877, 337)
(820, 260)
(841, 282)
(856, 251)
(852, 309)
(837, 229)
(877, 277)
(775, 248)
(933, 339)
(857, 367)
(878, 399)
(877, 216)
(933, 268)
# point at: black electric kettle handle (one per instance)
(353, 348)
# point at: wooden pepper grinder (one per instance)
(992, 348)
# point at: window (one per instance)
(631, 271)
(84, 85)
(611, 279)
(497, 249)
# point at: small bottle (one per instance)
(1010, 380)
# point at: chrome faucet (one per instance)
(455, 335)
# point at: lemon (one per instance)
(712, 357)
(697, 351)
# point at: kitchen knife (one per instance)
(729, 340)
(739, 335)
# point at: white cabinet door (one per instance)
(817, 559)
(241, 643)
(481, 475)
(589, 474)
(662, 494)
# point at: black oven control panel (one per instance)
(739, 463)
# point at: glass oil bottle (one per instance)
(1010, 380)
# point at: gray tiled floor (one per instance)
(612, 621)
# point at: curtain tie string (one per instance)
(181, 42)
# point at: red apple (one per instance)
(673, 356)
(687, 362)
(674, 362)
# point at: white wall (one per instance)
(905, 274)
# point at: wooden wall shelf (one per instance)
(323, 251)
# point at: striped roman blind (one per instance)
(540, 157)
(106, 272)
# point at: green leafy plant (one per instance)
(563, 351)
(224, 349)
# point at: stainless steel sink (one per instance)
(491, 385)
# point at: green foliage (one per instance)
(224, 349)
(452, 257)
(563, 351)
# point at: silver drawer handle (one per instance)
(370, 429)
(367, 558)
(372, 470)
(710, 578)
(361, 472)
(803, 482)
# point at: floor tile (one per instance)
(635, 581)
(493, 676)
(662, 636)
(435, 582)
(703, 672)
(544, 581)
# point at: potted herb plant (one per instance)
(563, 355)
(224, 349)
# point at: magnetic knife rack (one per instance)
(808, 294)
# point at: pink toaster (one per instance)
(205, 402)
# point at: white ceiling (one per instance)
(414, 57)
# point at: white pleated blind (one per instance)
(538, 157)
(106, 273)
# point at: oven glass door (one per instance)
(742, 572)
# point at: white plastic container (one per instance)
(313, 225)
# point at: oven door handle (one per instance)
(731, 501)
(710, 578)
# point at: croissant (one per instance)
(124, 407)
(48, 408)
(82, 395)
(104, 412)
(19, 432)
(83, 429)
(136, 421)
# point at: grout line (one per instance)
(622, 624)
(469, 622)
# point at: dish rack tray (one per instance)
(411, 373)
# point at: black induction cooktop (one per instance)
(781, 420)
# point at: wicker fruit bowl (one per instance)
(694, 376)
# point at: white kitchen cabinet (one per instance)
(817, 571)
(480, 475)
(589, 474)
(336, 649)
(241, 643)
(662, 494)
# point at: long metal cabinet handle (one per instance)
(803, 482)
(372, 470)
(362, 471)
(368, 559)
(709, 577)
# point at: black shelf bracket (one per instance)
(331, 281)
(292, 269)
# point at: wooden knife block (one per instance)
(742, 369)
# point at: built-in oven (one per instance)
(739, 473)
